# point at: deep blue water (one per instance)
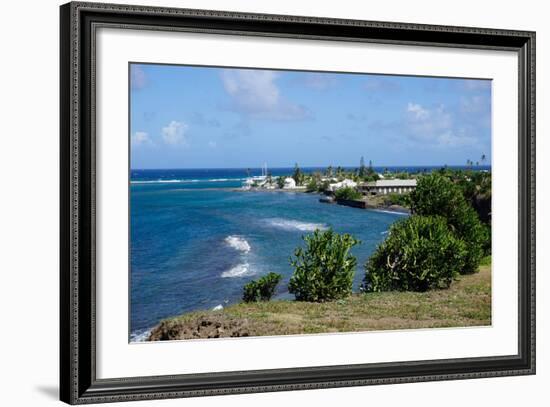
(195, 240)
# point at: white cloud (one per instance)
(212, 144)
(435, 127)
(450, 139)
(475, 104)
(140, 138)
(255, 93)
(175, 133)
(417, 111)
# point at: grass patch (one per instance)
(466, 303)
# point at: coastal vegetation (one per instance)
(424, 274)
(262, 289)
(348, 193)
(420, 254)
(467, 302)
(324, 270)
(436, 195)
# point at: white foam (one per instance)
(241, 270)
(289, 224)
(184, 181)
(225, 179)
(218, 307)
(166, 181)
(392, 212)
(238, 243)
(140, 336)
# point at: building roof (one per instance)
(381, 183)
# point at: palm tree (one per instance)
(362, 170)
(298, 175)
(483, 158)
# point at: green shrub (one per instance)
(420, 253)
(312, 185)
(436, 195)
(397, 199)
(261, 290)
(487, 240)
(348, 193)
(324, 269)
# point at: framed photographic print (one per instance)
(255, 203)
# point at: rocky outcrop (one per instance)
(202, 327)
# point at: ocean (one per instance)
(195, 241)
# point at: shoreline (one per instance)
(398, 209)
(360, 312)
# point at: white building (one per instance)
(389, 186)
(342, 184)
(289, 183)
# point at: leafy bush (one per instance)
(348, 193)
(436, 195)
(487, 240)
(312, 185)
(324, 269)
(420, 253)
(397, 199)
(476, 188)
(261, 290)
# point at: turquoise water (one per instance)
(195, 241)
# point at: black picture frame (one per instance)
(78, 382)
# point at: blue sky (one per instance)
(201, 117)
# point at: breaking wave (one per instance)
(184, 181)
(240, 270)
(238, 243)
(391, 212)
(140, 335)
(289, 224)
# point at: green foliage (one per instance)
(487, 238)
(348, 193)
(298, 175)
(324, 269)
(402, 175)
(362, 168)
(420, 253)
(370, 177)
(397, 199)
(312, 185)
(476, 188)
(436, 195)
(324, 186)
(261, 290)
(281, 181)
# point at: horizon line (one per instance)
(312, 166)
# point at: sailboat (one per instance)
(258, 180)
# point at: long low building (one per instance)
(388, 186)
